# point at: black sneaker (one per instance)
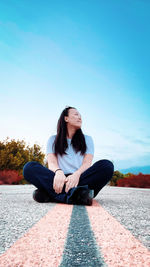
(41, 196)
(80, 195)
(83, 197)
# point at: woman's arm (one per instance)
(59, 178)
(73, 179)
(52, 162)
(87, 162)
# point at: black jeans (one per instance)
(96, 177)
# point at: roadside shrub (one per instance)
(14, 155)
(10, 177)
(140, 181)
(116, 176)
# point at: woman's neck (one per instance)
(70, 132)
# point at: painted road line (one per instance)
(43, 244)
(81, 248)
(118, 246)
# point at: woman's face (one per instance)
(74, 118)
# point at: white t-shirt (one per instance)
(71, 161)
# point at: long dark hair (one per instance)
(60, 144)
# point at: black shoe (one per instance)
(41, 196)
(80, 195)
(83, 197)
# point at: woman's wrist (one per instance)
(58, 170)
(78, 173)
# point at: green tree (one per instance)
(14, 154)
(35, 154)
(128, 175)
(116, 176)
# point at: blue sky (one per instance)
(92, 55)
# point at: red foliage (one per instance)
(140, 180)
(10, 177)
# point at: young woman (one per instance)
(69, 178)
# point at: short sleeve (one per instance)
(49, 146)
(90, 145)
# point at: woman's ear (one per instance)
(66, 118)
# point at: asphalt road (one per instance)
(19, 212)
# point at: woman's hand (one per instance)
(72, 181)
(59, 181)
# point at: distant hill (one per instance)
(136, 170)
